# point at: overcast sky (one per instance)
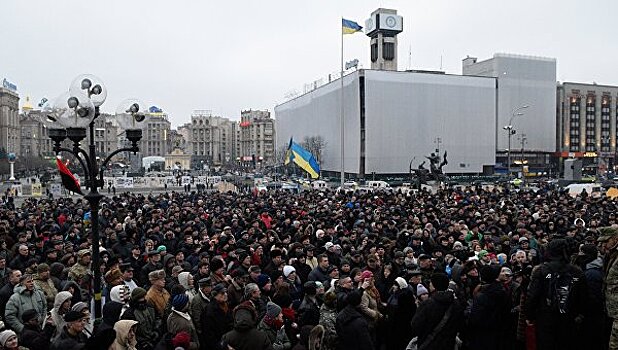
(227, 56)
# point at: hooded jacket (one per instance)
(56, 317)
(22, 300)
(245, 336)
(183, 280)
(122, 342)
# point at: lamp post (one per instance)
(71, 116)
(510, 132)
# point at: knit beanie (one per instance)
(180, 301)
(420, 290)
(272, 311)
(138, 293)
(5, 335)
(287, 270)
(262, 280)
(182, 339)
(401, 282)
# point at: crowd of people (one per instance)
(461, 268)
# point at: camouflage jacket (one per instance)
(611, 284)
(49, 289)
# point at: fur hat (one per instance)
(156, 275)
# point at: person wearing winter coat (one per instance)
(186, 280)
(180, 321)
(400, 309)
(595, 318)
(328, 318)
(147, 333)
(245, 335)
(32, 336)
(431, 312)
(491, 308)
(55, 321)
(25, 297)
(72, 336)
(351, 325)
(9, 341)
(217, 320)
(556, 328)
(125, 335)
(199, 304)
(309, 310)
(272, 326)
(45, 284)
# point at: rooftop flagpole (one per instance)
(341, 120)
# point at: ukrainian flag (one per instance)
(301, 157)
(350, 27)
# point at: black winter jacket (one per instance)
(352, 330)
(430, 313)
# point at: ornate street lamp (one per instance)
(71, 116)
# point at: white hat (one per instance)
(401, 282)
(287, 270)
(420, 290)
(328, 245)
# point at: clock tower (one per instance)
(382, 27)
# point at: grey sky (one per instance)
(228, 56)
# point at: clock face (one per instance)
(391, 22)
(369, 23)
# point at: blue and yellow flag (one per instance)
(303, 158)
(350, 27)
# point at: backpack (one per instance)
(559, 287)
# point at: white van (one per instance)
(378, 185)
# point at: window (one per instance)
(374, 52)
(388, 51)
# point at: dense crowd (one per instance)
(462, 268)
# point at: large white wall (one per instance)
(406, 112)
(318, 113)
(523, 80)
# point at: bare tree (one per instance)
(315, 145)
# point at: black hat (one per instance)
(72, 316)
(310, 287)
(153, 253)
(216, 264)
(423, 257)
(28, 315)
(204, 281)
(126, 267)
(219, 288)
(440, 281)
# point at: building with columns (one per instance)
(211, 139)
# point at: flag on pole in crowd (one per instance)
(68, 179)
(303, 158)
(350, 27)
